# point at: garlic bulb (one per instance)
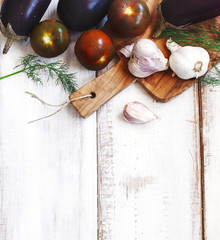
(145, 58)
(187, 62)
(138, 113)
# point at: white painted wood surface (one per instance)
(67, 177)
(211, 141)
(149, 184)
(47, 170)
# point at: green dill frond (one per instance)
(33, 66)
(60, 71)
(204, 36)
(212, 78)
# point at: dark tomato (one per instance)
(49, 38)
(128, 18)
(94, 49)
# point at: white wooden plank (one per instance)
(47, 169)
(149, 175)
(211, 142)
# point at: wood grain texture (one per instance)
(149, 175)
(211, 145)
(48, 187)
(104, 87)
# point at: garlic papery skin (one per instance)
(138, 113)
(188, 62)
(127, 50)
(145, 58)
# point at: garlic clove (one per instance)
(138, 113)
(146, 48)
(145, 58)
(144, 67)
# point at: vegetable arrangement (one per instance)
(19, 17)
(94, 49)
(146, 59)
(127, 18)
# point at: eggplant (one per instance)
(176, 13)
(18, 17)
(81, 15)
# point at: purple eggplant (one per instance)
(176, 13)
(18, 17)
(81, 15)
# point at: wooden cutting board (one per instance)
(162, 86)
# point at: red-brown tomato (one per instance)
(128, 18)
(49, 38)
(94, 49)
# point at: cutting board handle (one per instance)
(102, 88)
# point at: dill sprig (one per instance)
(212, 78)
(33, 66)
(206, 36)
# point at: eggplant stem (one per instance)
(8, 44)
(161, 23)
(11, 36)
